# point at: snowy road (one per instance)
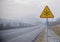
(21, 35)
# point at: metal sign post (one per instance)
(47, 29)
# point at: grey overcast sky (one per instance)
(27, 10)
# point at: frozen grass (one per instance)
(56, 29)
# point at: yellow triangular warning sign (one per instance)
(46, 13)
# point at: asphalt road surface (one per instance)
(27, 34)
(21, 35)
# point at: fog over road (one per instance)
(21, 35)
(27, 34)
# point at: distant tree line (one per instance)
(13, 26)
(57, 22)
